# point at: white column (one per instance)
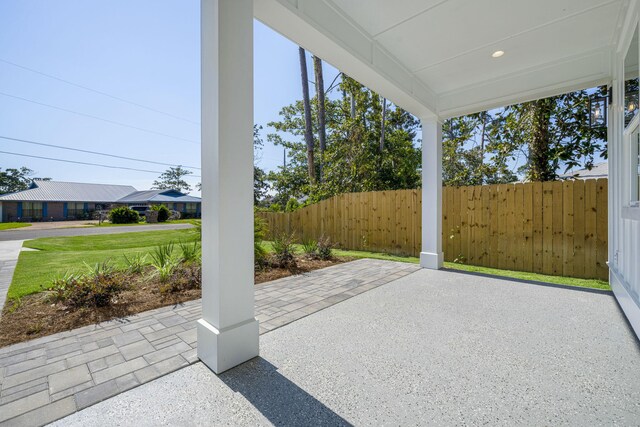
(228, 331)
(431, 255)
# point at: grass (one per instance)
(519, 275)
(10, 225)
(57, 255)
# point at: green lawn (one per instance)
(57, 255)
(10, 225)
(558, 280)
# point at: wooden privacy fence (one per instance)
(557, 228)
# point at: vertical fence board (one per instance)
(527, 217)
(538, 229)
(567, 228)
(602, 271)
(557, 228)
(578, 228)
(590, 212)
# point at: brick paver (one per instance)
(51, 377)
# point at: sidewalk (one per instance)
(9, 252)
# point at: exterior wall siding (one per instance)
(624, 221)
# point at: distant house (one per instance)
(599, 170)
(58, 201)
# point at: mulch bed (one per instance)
(34, 317)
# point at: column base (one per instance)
(431, 260)
(223, 350)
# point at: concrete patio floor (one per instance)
(431, 348)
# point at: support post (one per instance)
(228, 330)
(431, 255)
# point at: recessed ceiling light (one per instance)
(497, 54)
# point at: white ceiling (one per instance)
(439, 51)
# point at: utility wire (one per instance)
(99, 92)
(88, 164)
(94, 152)
(99, 118)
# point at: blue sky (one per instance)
(144, 51)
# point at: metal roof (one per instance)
(158, 196)
(599, 170)
(59, 191)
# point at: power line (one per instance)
(87, 163)
(99, 92)
(94, 152)
(99, 118)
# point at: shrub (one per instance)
(97, 289)
(136, 263)
(163, 212)
(123, 215)
(292, 205)
(325, 248)
(183, 278)
(310, 248)
(163, 254)
(259, 232)
(164, 261)
(190, 252)
(284, 251)
(61, 284)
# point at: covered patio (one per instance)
(418, 350)
(506, 52)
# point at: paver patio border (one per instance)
(48, 378)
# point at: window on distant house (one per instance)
(75, 209)
(192, 208)
(32, 210)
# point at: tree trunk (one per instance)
(482, 144)
(353, 106)
(308, 133)
(382, 124)
(540, 168)
(322, 132)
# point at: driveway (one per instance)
(28, 233)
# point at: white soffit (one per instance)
(438, 52)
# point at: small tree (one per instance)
(12, 180)
(171, 179)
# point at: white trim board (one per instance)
(626, 301)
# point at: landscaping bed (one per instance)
(38, 314)
(70, 282)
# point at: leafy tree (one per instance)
(260, 185)
(172, 179)
(352, 160)
(12, 180)
(468, 162)
(552, 133)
